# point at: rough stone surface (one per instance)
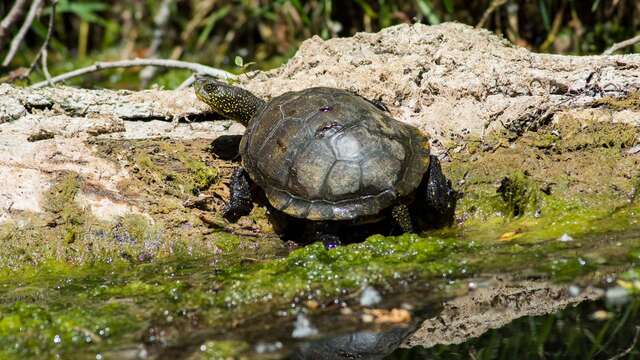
(452, 80)
(28, 167)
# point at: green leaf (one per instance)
(87, 11)
(448, 4)
(211, 22)
(238, 61)
(427, 11)
(367, 9)
(544, 12)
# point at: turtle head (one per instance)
(230, 101)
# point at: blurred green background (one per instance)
(214, 32)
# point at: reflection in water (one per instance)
(591, 330)
(366, 345)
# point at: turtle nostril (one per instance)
(326, 108)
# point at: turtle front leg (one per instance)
(436, 199)
(240, 203)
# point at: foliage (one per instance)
(268, 32)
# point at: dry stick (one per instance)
(494, 5)
(42, 54)
(185, 84)
(45, 67)
(13, 16)
(623, 44)
(15, 43)
(195, 67)
(160, 28)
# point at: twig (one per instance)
(45, 67)
(494, 5)
(628, 350)
(42, 54)
(13, 16)
(15, 43)
(160, 28)
(195, 67)
(185, 84)
(623, 44)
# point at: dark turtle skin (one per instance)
(324, 158)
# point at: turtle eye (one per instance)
(326, 108)
(209, 87)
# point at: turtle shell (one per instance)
(329, 154)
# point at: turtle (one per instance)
(326, 161)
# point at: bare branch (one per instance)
(623, 44)
(45, 67)
(494, 5)
(12, 17)
(42, 54)
(15, 43)
(176, 64)
(185, 84)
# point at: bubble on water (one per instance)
(98, 356)
(303, 328)
(565, 238)
(617, 296)
(370, 296)
(264, 347)
(57, 339)
(203, 347)
(574, 290)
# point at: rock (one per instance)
(453, 80)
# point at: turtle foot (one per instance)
(240, 203)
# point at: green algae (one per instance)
(222, 350)
(519, 194)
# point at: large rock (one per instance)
(450, 80)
